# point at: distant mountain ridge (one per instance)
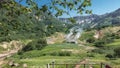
(93, 21)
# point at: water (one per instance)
(74, 34)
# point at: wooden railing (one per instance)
(87, 65)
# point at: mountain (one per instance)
(95, 21)
(108, 19)
(81, 19)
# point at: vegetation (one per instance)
(55, 4)
(50, 50)
(39, 58)
(60, 53)
(35, 45)
(35, 23)
(1, 49)
(117, 52)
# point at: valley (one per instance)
(34, 36)
(70, 53)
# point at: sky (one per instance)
(104, 6)
(98, 7)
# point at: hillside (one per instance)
(56, 38)
(96, 51)
(30, 38)
(95, 21)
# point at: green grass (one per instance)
(60, 47)
(42, 61)
(78, 53)
(54, 49)
(115, 43)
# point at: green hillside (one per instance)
(26, 30)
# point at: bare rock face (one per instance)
(56, 38)
(4, 45)
(98, 34)
(11, 63)
(16, 44)
(16, 64)
(11, 45)
(25, 65)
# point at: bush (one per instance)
(91, 55)
(105, 40)
(61, 53)
(117, 52)
(90, 40)
(99, 43)
(5, 38)
(87, 36)
(64, 53)
(100, 51)
(36, 53)
(35, 45)
(31, 54)
(110, 56)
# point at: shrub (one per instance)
(110, 56)
(99, 43)
(117, 52)
(87, 36)
(35, 45)
(20, 52)
(100, 51)
(109, 40)
(105, 40)
(54, 54)
(61, 53)
(90, 40)
(64, 53)
(91, 55)
(30, 54)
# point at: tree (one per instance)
(16, 19)
(14, 16)
(59, 6)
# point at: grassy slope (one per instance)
(74, 58)
(78, 53)
(43, 60)
(115, 44)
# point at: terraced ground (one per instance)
(115, 44)
(56, 53)
(66, 53)
(78, 53)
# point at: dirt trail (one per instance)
(9, 53)
(6, 54)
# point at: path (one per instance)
(7, 54)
